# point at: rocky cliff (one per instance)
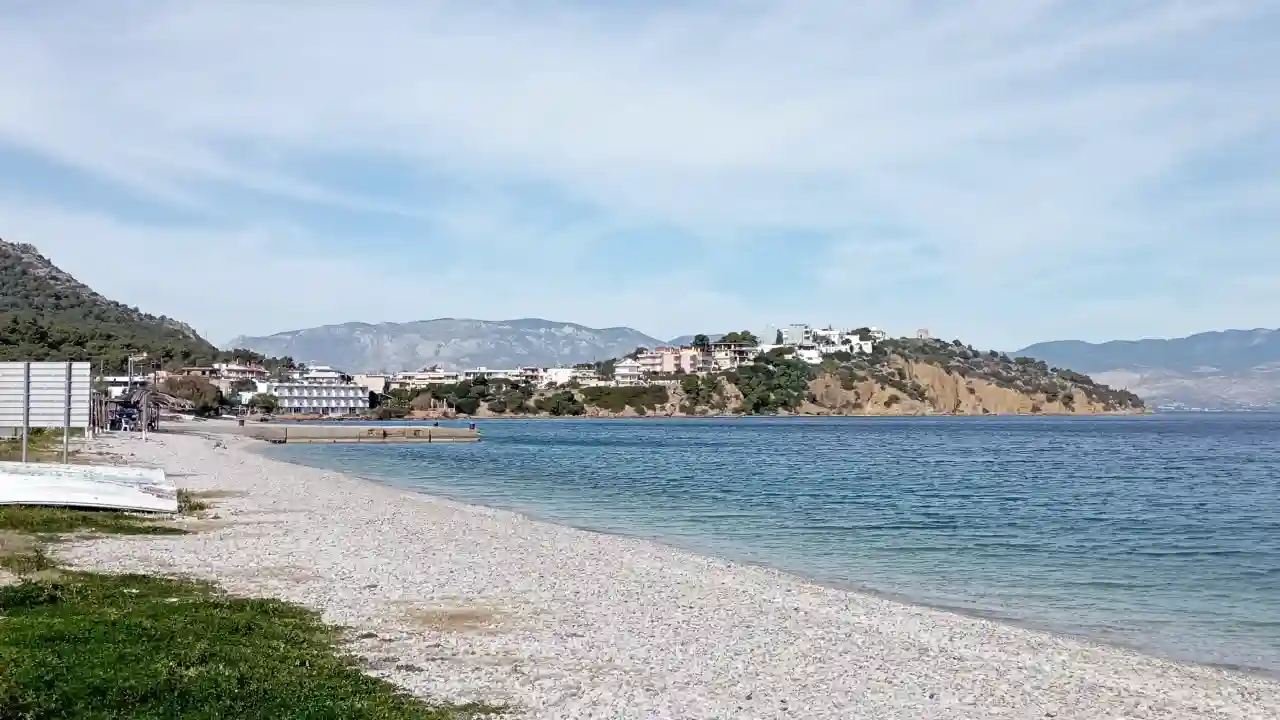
(947, 393)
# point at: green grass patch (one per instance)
(98, 646)
(43, 520)
(42, 446)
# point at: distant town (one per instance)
(314, 389)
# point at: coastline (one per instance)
(573, 623)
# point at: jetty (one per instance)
(357, 433)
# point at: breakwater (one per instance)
(281, 433)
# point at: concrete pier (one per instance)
(357, 433)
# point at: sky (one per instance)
(1000, 171)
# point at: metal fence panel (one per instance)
(48, 399)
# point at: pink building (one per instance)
(669, 360)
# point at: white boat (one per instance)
(89, 486)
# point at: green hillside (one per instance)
(46, 314)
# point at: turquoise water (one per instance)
(1160, 533)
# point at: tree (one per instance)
(701, 342)
(559, 404)
(203, 396)
(777, 340)
(375, 401)
(742, 336)
(243, 385)
(467, 405)
(265, 402)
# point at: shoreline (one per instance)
(577, 623)
(800, 576)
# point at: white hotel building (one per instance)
(303, 398)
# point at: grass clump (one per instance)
(47, 520)
(114, 646)
(191, 502)
(22, 555)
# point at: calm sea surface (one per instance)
(1161, 533)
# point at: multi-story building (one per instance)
(236, 371)
(305, 398)
(557, 376)
(423, 378)
(828, 340)
(490, 374)
(628, 372)
(323, 375)
(373, 383)
(668, 360)
(731, 355)
(797, 334)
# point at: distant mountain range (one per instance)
(1227, 370)
(450, 343)
(1232, 369)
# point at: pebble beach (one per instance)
(458, 602)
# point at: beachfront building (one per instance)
(323, 398)
(628, 372)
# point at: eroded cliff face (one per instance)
(945, 393)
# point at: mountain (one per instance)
(46, 314)
(1226, 370)
(451, 343)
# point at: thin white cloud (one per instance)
(1004, 140)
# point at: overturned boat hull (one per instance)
(87, 486)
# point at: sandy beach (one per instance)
(459, 602)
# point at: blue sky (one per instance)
(1003, 171)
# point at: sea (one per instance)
(1159, 533)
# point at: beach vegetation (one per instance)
(702, 394)
(265, 402)
(616, 399)
(204, 396)
(562, 403)
(48, 520)
(771, 384)
(89, 645)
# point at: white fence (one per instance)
(45, 395)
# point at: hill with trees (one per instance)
(46, 314)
